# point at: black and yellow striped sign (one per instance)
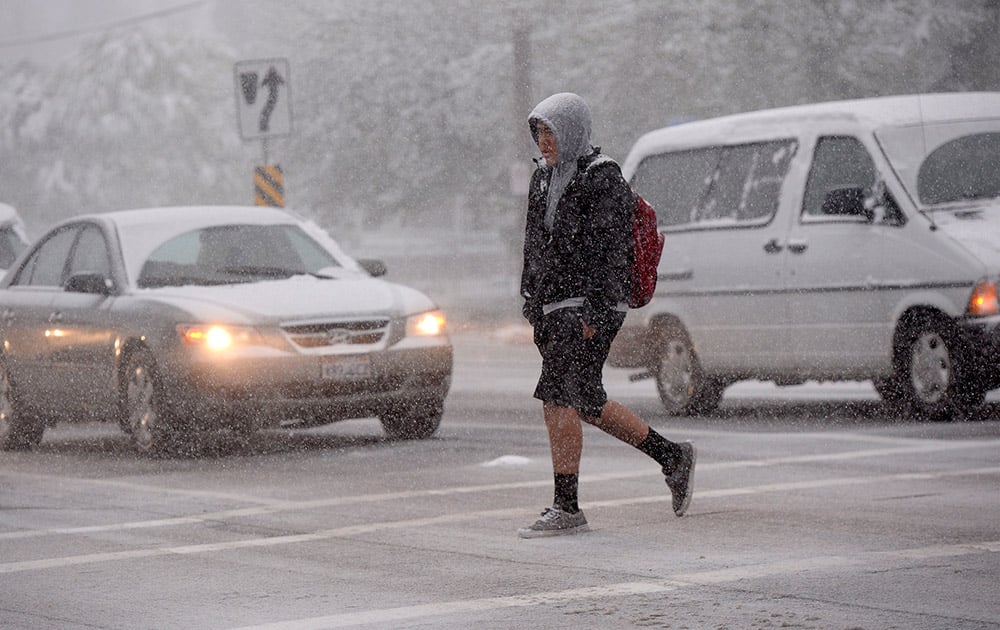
(269, 186)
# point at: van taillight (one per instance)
(984, 300)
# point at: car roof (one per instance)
(787, 122)
(186, 218)
(142, 230)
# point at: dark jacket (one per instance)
(588, 251)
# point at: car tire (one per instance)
(18, 430)
(682, 385)
(932, 378)
(415, 424)
(144, 416)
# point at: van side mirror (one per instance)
(93, 283)
(846, 202)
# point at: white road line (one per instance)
(367, 528)
(623, 589)
(273, 507)
(193, 493)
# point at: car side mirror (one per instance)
(93, 283)
(846, 202)
(375, 268)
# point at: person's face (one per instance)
(547, 144)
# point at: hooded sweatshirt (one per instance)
(568, 117)
(577, 245)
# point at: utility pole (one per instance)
(520, 166)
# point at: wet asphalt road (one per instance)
(815, 507)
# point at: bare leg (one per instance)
(565, 438)
(619, 421)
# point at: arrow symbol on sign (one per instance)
(272, 80)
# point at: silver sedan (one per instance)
(171, 321)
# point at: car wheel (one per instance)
(932, 375)
(143, 415)
(683, 387)
(413, 424)
(18, 431)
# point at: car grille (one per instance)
(343, 333)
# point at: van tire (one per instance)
(890, 389)
(932, 375)
(682, 385)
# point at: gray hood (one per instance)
(568, 116)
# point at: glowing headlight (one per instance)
(427, 324)
(983, 300)
(215, 337)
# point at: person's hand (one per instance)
(588, 330)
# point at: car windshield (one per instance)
(233, 254)
(944, 163)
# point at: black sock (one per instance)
(661, 449)
(566, 489)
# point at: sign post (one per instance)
(264, 110)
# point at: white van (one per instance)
(849, 240)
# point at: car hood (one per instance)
(299, 298)
(975, 227)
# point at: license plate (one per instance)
(346, 368)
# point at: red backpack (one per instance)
(647, 247)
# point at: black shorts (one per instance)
(571, 365)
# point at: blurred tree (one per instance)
(403, 112)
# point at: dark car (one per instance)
(171, 321)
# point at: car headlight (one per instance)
(429, 324)
(983, 300)
(217, 337)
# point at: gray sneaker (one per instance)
(680, 479)
(555, 522)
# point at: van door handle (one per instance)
(797, 247)
(676, 274)
(773, 246)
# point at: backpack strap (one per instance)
(599, 160)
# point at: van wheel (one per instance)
(890, 389)
(932, 377)
(18, 431)
(684, 390)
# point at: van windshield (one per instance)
(948, 162)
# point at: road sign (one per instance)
(263, 98)
(269, 186)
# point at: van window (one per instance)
(962, 169)
(716, 186)
(839, 162)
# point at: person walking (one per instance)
(575, 285)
